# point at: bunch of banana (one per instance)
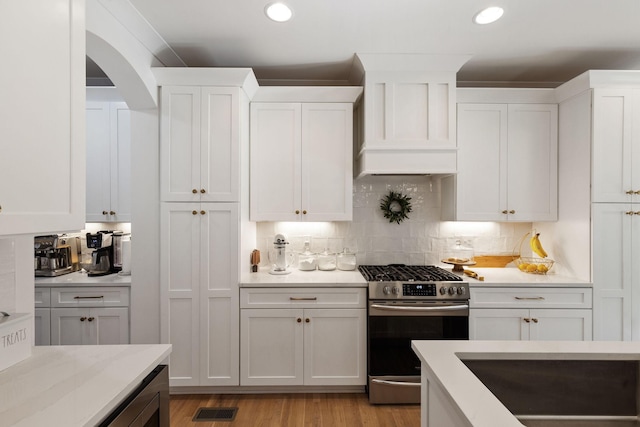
(536, 246)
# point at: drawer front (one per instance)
(530, 298)
(303, 297)
(43, 297)
(111, 296)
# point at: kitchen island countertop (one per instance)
(81, 278)
(471, 401)
(73, 385)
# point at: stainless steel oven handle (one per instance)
(402, 383)
(422, 308)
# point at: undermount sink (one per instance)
(564, 393)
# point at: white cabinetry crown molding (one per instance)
(597, 79)
(227, 77)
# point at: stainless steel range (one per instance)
(409, 302)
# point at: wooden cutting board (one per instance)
(498, 261)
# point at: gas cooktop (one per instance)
(407, 273)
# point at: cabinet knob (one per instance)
(194, 212)
(0, 208)
(512, 211)
(112, 213)
(105, 213)
(202, 212)
(526, 319)
(629, 213)
(91, 319)
(299, 320)
(297, 212)
(82, 319)
(307, 320)
(636, 192)
(534, 320)
(629, 192)
(505, 212)
(194, 191)
(304, 212)
(637, 213)
(202, 190)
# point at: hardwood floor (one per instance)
(294, 410)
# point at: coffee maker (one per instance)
(104, 248)
(56, 255)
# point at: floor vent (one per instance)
(215, 414)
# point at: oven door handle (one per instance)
(421, 308)
(402, 383)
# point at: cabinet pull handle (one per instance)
(297, 212)
(526, 319)
(91, 319)
(89, 297)
(530, 298)
(534, 320)
(303, 298)
(299, 320)
(307, 320)
(194, 191)
(82, 319)
(202, 191)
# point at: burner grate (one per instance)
(407, 273)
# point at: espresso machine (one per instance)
(56, 255)
(103, 257)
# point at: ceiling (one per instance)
(537, 43)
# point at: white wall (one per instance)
(421, 239)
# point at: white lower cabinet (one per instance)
(547, 314)
(82, 315)
(303, 337)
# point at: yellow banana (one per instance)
(536, 246)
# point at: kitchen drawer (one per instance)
(111, 296)
(303, 297)
(43, 297)
(531, 297)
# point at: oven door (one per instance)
(394, 369)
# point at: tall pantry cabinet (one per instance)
(203, 139)
(599, 132)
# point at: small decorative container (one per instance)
(15, 338)
(306, 259)
(326, 261)
(346, 260)
(534, 265)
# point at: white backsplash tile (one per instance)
(421, 239)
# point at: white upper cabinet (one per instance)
(42, 165)
(507, 164)
(200, 144)
(301, 161)
(616, 145)
(108, 162)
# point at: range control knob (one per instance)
(443, 290)
(395, 290)
(453, 290)
(386, 290)
(462, 291)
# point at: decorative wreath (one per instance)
(396, 206)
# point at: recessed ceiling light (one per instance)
(488, 15)
(278, 12)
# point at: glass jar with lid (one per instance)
(306, 259)
(346, 260)
(326, 260)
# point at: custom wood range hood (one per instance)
(407, 120)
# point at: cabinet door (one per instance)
(613, 271)
(42, 165)
(271, 351)
(108, 325)
(327, 161)
(42, 326)
(335, 347)
(481, 192)
(98, 161)
(498, 324)
(532, 162)
(120, 170)
(180, 290)
(560, 325)
(613, 150)
(220, 144)
(275, 157)
(69, 326)
(180, 144)
(218, 294)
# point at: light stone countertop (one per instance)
(73, 386)
(442, 363)
(81, 278)
(513, 277)
(297, 278)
